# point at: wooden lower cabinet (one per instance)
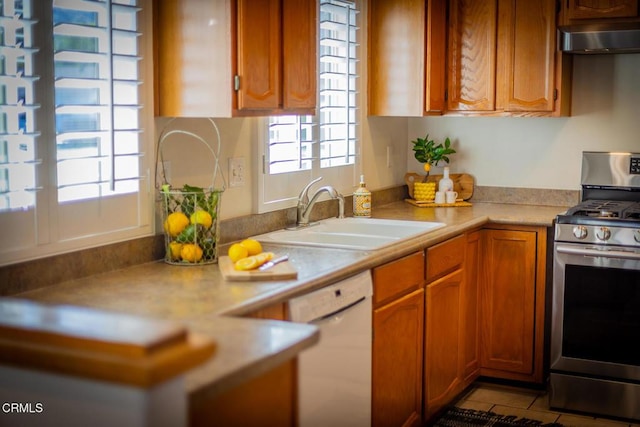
(469, 356)
(398, 332)
(512, 295)
(443, 379)
(269, 400)
(444, 333)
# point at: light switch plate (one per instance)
(236, 172)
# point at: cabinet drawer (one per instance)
(445, 257)
(398, 277)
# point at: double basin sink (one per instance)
(351, 233)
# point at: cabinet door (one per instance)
(299, 41)
(407, 41)
(597, 9)
(469, 309)
(258, 54)
(508, 301)
(396, 75)
(442, 339)
(397, 362)
(272, 396)
(526, 53)
(397, 278)
(472, 55)
(192, 58)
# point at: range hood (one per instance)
(621, 37)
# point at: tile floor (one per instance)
(528, 403)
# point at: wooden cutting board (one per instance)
(462, 183)
(282, 271)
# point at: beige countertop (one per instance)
(200, 298)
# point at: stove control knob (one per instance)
(603, 233)
(580, 231)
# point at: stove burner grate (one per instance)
(606, 209)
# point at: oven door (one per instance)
(596, 311)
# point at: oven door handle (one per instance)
(598, 252)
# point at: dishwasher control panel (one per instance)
(331, 299)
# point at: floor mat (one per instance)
(458, 417)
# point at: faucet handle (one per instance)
(304, 194)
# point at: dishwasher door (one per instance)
(334, 377)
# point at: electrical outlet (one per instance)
(236, 172)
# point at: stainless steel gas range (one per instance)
(595, 321)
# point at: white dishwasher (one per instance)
(334, 376)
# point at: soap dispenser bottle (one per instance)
(445, 184)
(362, 200)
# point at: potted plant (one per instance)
(427, 152)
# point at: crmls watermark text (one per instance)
(22, 408)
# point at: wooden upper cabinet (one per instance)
(276, 54)
(406, 57)
(583, 11)
(502, 58)
(472, 55)
(526, 48)
(225, 58)
(259, 46)
(299, 52)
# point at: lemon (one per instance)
(427, 167)
(174, 249)
(191, 252)
(252, 262)
(237, 251)
(175, 223)
(253, 246)
(248, 263)
(264, 257)
(201, 217)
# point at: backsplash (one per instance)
(525, 196)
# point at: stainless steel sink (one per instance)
(351, 233)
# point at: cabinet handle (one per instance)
(236, 82)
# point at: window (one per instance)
(72, 170)
(298, 148)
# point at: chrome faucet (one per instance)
(305, 205)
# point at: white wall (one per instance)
(546, 152)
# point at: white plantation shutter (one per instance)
(300, 147)
(291, 141)
(72, 171)
(17, 131)
(337, 83)
(96, 97)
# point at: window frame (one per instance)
(281, 190)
